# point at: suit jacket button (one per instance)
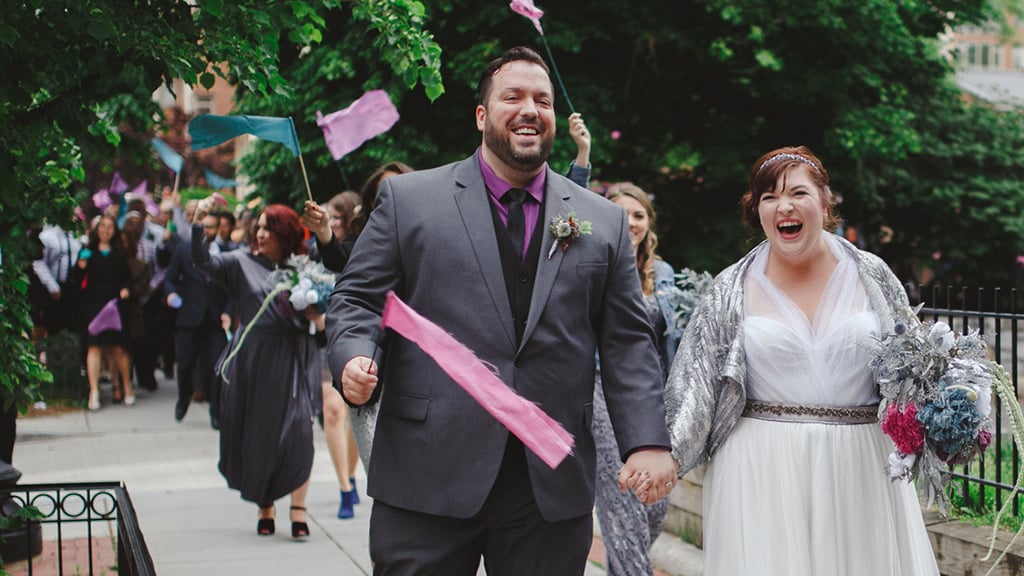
(519, 363)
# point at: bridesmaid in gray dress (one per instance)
(271, 371)
(628, 527)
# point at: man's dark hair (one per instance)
(483, 87)
(228, 215)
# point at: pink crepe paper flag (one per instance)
(526, 8)
(345, 130)
(80, 213)
(101, 200)
(108, 318)
(538, 431)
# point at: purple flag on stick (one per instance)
(117, 184)
(541, 433)
(152, 208)
(108, 318)
(526, 8)
(345, 130)
(102, 199)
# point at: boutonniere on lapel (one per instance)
(565, 229)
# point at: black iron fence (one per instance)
(993, 313)
(80, 529)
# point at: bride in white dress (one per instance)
(772, 384)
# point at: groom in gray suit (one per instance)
(468, 246)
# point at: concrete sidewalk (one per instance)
(193, 524)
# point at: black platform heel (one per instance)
(265, 526)
(300, 530)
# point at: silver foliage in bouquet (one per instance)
(689, 288)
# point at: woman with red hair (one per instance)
(271, 373)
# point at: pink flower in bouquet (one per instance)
(984, 439)
(904, 429)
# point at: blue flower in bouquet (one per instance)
(304, 283)
(309, 284)
(952, 422)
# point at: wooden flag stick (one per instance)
(177, 178)
(302, 164)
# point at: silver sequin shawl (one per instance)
(706, 391)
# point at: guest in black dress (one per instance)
(271, 369)
(103, 275)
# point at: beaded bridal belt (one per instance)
(811, 414)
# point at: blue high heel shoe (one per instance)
(345, 509)
(355, 492)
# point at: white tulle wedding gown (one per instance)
(791, 499)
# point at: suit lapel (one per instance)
(472, 201)
(557, 203)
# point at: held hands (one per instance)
(358, 379)
(315, 218)
(649, 473)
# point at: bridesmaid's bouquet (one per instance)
(936, 406)
(309, 283)
(305, 282)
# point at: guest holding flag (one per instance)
(204, 313)
(271, 371)
(332, 243)
(103, 275)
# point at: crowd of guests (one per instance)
(114, 284)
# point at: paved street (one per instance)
(193, 524)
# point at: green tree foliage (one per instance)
(698, 89)
(77, 71)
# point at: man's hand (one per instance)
(649, 473)
(358, 380)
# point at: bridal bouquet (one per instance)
(936, 406)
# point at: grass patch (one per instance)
(977, 504)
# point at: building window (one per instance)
(203, 104)
(1018, 58)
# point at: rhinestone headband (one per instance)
(784, 156)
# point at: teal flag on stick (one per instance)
(209, 130)
(172, 159)
(217, 181)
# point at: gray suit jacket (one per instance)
(431, 239)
